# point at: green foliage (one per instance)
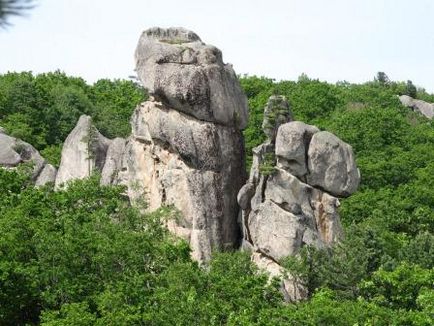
(267, 166)
(84, 256)
(410, 89)
(43, 109)
(52, 153)
(65, 247)
(382, 78)
(401, 287)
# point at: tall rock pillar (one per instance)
(186, 147)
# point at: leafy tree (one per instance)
(410, 89)
(382, 78)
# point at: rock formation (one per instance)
(290, 199)
(14, 152)
(83, 152)
(186, 147)
(425, 108)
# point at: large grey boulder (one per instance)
(201, 145)
(83, 152)
(332, 165)
(294, 203)
(186, 148)
(181, 71)
(425, 108)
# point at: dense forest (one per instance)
(84, 256)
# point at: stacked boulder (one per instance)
(14, 152)
(291, 197)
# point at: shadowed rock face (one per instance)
(187, 75)
(295, 204)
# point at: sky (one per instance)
(332, 40)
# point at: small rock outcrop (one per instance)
(290, 199)
(14, 152)
(83, 152)
(424, 108)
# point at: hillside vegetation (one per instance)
(83, 256)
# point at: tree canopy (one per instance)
(84, 256)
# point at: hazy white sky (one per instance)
(327, 39)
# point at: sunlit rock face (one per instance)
(291, 197)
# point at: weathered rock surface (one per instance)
(292, 144)
(331, 165)
(83, 152)
(196, 166)
(425, 108)
(47, 175)
(113, 161)
(188, 75)
(295, 204)
(14, 152)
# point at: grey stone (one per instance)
(202, 145)
(180, 70)
(275, 232)
(8, 154)
(47, 176)
(195, 166)
(424, 108)
(245, 195)
(292, 143)
(332, 165)
(83, 152)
